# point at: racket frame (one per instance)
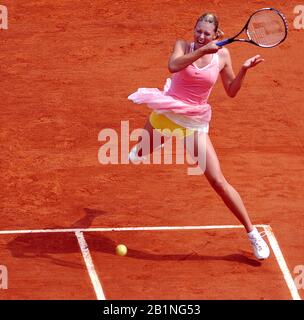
(249, 40)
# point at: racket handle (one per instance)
(224, 42)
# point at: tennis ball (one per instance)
(121, 250)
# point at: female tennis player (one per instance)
(183, 104)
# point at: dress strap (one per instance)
(215, 57)
(217, 60)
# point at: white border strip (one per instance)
(282, 263)
(126, 229)
(90, 266)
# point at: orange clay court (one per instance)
(67, 68)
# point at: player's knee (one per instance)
(219, 184)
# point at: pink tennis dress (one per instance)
(185, 96)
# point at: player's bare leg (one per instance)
(155, 141)
(225, 190)
(231, 197)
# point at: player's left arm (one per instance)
(232, 83)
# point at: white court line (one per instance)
(126, 229)
(282, 263)
(90, 266)
(273, 242)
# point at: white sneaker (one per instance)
(260, 247)
(134, 157)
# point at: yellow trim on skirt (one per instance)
(167, 127)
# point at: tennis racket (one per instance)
(265, 28)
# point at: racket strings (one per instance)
(267, 28)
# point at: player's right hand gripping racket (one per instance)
(265, 28)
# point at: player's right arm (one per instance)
(180, 59)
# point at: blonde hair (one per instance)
(211, 18)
